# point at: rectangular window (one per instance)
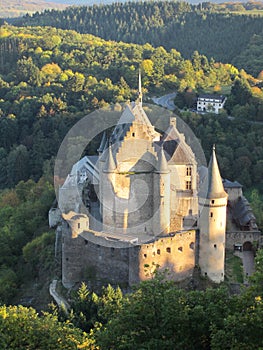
(188, 185)
(188, 171)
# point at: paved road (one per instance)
(166, 101)
(248, 262)
(62, 303)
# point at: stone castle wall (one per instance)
(241, 237)
(176, 254)
(121, 263)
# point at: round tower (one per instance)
(161, 199)
(212, 225)
(108, 195)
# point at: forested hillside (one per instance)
(212, 30)
(50, 78)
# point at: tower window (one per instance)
(133, 134)
(211, 215)
(158, 251)
(215, 246)
(188, 171)
(180, 249)
(192, 245)
(168, 250)
(145, 256)
(213, 201)
(79, 225)
(188, 185)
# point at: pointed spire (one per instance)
(140, 89)
(215, 185)
(162, 166)
(102, 143)
(110, 165)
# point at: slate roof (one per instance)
(231, 184)
(242, 212)
(215, 185)
(220, 98)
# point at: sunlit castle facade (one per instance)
(145, 208)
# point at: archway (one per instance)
(247, 246)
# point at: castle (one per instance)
(148, 205)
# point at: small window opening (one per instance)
(213, 201)
(180, 249)
(145, 256)
(79, 225)
(168, 249)
(188, 185)
(215, 246)
(158, 251)
(133, 134)
(188, 171)
(211, 215)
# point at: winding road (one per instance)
(166, 101)
(61, 302)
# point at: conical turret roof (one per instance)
(215, 185)
(162, 166)
(110, 165)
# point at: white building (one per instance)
(210, 103)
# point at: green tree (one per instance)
(27, 71)
(17, 165)
(22, 328)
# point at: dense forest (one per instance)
(213, 30)
(49, 79)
